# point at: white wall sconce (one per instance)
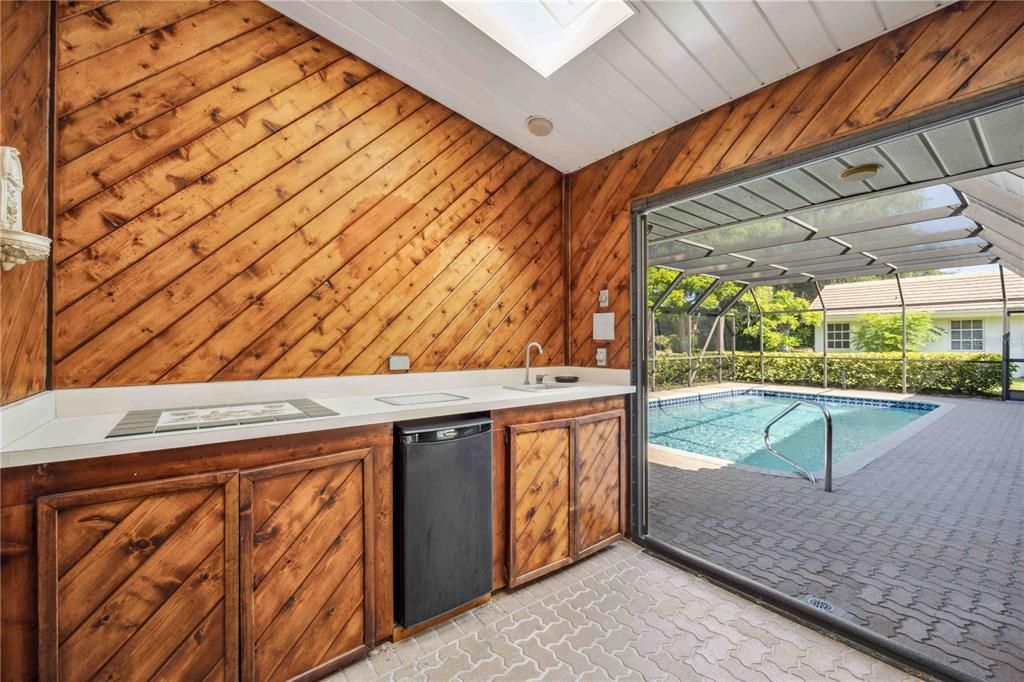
(16, 245)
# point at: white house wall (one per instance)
(992, 324)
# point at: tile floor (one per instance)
(923, 545)
(622, 615)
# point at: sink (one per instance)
(540, 388)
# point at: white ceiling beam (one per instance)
(993, 221)
(822, 234)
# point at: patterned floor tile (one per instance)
(564, 636)
(923, 545)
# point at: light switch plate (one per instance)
(398, 363)
(602, 357)
(602, 298)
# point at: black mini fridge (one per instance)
(443, 515)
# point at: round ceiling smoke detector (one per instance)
(860, 173)
(540, 126)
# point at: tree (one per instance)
(658, 279)
(782, 331)
(882, 332)
(667, 343)
(670, 317)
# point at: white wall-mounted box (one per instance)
(604, 326)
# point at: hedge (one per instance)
(671, 371)
(944, 373)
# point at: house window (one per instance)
(966, 335)
(837, 336)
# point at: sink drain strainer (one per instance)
(821, 604)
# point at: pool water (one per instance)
(732, 428)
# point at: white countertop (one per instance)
(72, 436)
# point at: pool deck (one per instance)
(925, 544)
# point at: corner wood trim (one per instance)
(46, 576)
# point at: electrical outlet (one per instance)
(398, 363)
(602, 298)
(602, 357)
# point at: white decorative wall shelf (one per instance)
(16, 245)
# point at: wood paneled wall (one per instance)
(951, 55)
(24, 125)
(238, 198)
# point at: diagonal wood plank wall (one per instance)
(952, 55)
(24, 125)
(237, 198)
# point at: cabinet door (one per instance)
(600, 480)
(307, 565)
(540, 499)
(140, 581)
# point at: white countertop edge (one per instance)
(75, 402)
(20, 418)
(80, 437)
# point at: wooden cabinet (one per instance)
(540, 497)
(567, 491)
(140, 581)
(133, 566)
(307, 530)
(600, 479)
(268, 559)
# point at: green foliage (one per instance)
(881, 332)
(782, 331)
(672, 371)
(667, 343)
(942, 373)
(658, 279)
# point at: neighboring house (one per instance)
(967, 307)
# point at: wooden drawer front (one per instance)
(306, 563)
(140, 581)
(600, 480)
(540, 485)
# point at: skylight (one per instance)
(545, 34)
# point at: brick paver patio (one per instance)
(620, 615)
(923, 545)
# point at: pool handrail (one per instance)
(828, 441)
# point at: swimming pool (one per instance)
(730, 426)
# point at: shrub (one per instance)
(944, 373)
(672, 370)
(881, 332)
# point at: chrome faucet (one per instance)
(528, 347)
